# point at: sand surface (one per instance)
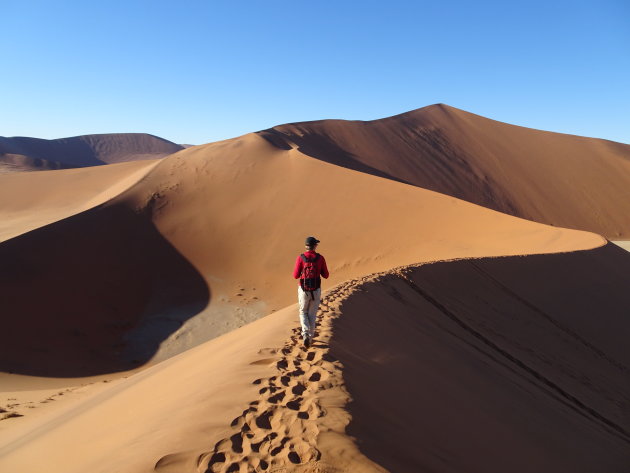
(192, 394)
(509, 364)
(451, 337)
(150, 260)
(564, 180)
(484, 364)
(36, 199)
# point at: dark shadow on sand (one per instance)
(319, 146)
(94, 293)
(499, 364)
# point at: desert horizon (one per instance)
(475, 318)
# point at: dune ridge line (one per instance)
(298, 423)
(303, 402)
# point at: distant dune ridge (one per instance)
(452, 337)
(565, 180)
(22, 153)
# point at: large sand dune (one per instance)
(489, 365)
(564, 180)
(23, 153)
(517, 363)
(206, 241)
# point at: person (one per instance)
(310, 267)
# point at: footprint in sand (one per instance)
(279, 429)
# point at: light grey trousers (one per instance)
(308, 310)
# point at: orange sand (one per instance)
(494, 364)
(565, 180)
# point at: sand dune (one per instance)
(156, 274)
(255, 192)
(138, 420)
(490, 364)
(32, 200)
(564, 180)
(23, 153)
(485, 365)
(509, 364)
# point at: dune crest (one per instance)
(493, 364)
(565, 180)
(166, 278)
(507, 353)
(483, 363)
(255, 192)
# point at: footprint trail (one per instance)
(279, 430)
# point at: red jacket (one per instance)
(321, 265)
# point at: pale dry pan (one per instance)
(623, 244)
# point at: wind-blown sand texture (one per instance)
(27, 154)
(565, 180)
(451, 337)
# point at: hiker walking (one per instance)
(309, 266)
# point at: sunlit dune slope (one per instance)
(31, 200)
(266, 200)
(564, 180)
(491, 365)
(154, 413)
(23, 153)
(206, 242)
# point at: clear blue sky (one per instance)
(201, 71)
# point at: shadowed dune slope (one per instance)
(23, 153)
(115, 284)
(564, 180)
(491, 365)
(266, 200)
(73, 291)
(512, 364)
